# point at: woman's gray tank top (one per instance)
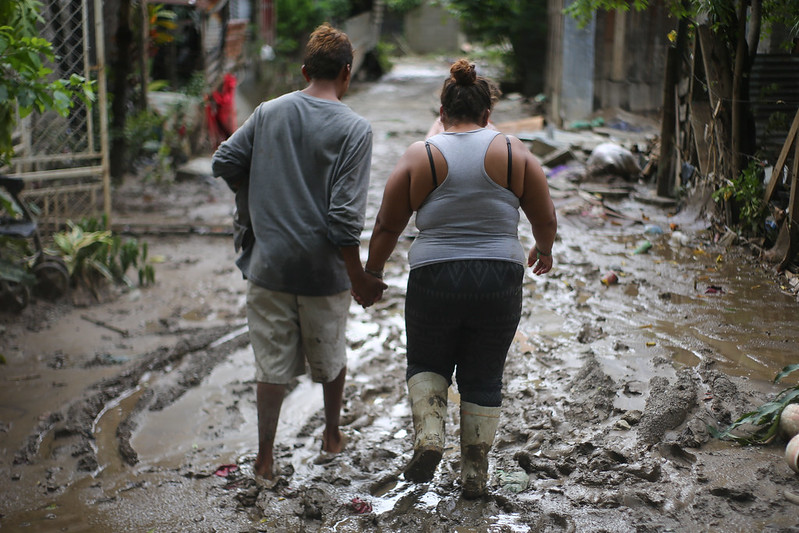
(468, 216)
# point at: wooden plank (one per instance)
(79, 172)
(793, 204)
(55, 158)
(786, 149)
(519, 126)
(793, 211)
(718, 71)
(700, 117)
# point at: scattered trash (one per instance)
(610, 158)
(653, 229)
(714, 289)
(789, 420)
(359, 506)
(729, 238)
(770, 224)
(515, 482)
(585, 124)
(643, 247)
(792, 453)
(225, 470)
(650, 344)
(559, 157)
(679, 238)
(610, 279)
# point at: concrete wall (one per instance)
(431, 29)
(617, 61)
(570, 67)
(630, 58)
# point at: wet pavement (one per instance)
(588, 359)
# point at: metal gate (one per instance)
(64, 160)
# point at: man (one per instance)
(302, 163)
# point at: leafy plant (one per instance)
(298, 18)
(766, 419)
(746, 192)
(24, 74)
(162, 24)
(519, 29)
(145, 135)
(93, 253)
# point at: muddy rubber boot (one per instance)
(428, 394)
(478, 427)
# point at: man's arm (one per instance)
(366, 288)
(231, 161)
(346, 218)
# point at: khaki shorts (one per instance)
(287, 329)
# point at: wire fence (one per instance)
(64, 160)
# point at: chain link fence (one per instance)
(64, 160)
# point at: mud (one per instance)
(136, 412)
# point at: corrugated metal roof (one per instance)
(774, 93)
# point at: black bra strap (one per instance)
(432, 164)
(510, 162)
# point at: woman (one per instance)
(464, 294)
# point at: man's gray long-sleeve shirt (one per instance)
(307, 163)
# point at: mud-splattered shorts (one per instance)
(462, 316)
(286, 330)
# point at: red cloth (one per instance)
(220, 111)
(226, 105)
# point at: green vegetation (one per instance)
(517, 27)
(298, 18)
(24, 73)
(94, 254)
(744, 196)
(766, 419)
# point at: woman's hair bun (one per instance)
(463, 72)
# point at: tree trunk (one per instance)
(668, 126)
(738, 91)
(716, 64)
(121, 71)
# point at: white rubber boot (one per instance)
(478, 427)
(428, 394)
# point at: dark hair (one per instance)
(465, 95)
(327, 52)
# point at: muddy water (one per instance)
(683, 303)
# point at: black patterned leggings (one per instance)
(462, 316)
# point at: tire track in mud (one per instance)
(179, 368)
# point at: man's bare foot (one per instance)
(333, 443)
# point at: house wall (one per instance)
(630, 58)
(616, 61)
(569, 84)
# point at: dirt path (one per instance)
(137, 413)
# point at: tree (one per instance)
(519, 24)
(720, 25)
(25, 83)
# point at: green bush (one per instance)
(94, 254)
(744, 195)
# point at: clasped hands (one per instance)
(368, 289)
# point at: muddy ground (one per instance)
(136, 412)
